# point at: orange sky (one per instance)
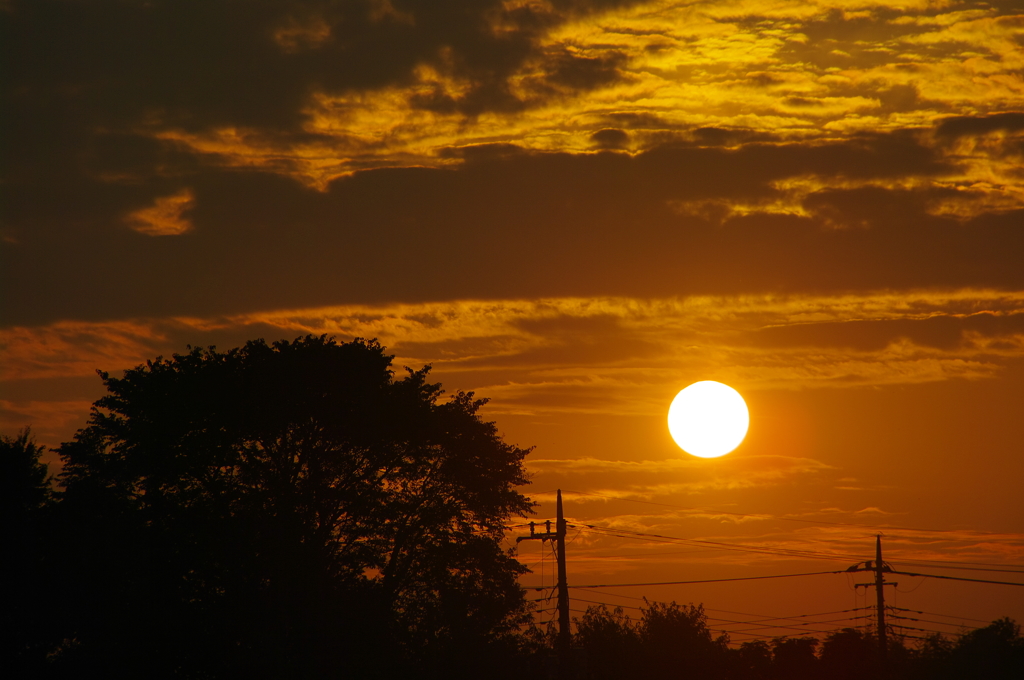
(574, 208)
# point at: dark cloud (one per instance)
(900, 98)
(83, 78)
(503, 225)
(868, 207)
(712, 136)
(638, 121)
(610, 138)
(477, 152)
(458, 349)
(563, 341)
(962, 126)
(197, 64)
(584, 73)
(940, 332)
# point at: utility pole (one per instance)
(564, 638)
(880, 568)
(562, 642)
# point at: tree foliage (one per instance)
(289, 510)
(671, 641)
(25, 510)
(994, 652)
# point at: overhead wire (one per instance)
(960, 578)
(707, 580)
(721, 623)
(788, 552)
(801, 627)
(606, 604)
(765, 617)
(918, 611)
(925, 630)
(627, 597)
(939, 623)
(760, 618)
(717, 545)
(778, 517)
(940, 564)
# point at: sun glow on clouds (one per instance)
(166, 217)
(597, 355)
(657, 70)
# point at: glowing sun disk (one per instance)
(708, 419)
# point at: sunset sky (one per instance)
(574, 208)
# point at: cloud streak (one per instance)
(594, 355)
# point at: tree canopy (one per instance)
(25, 497)
(289, 510)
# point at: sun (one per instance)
(708, 419)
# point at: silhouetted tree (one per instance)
(794, 659)
(754, 661)
(677, 643)
(995, 652)
(610, 641)
(849, 654)
(290, 510)
(930, 659)
(26, 633)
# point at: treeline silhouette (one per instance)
(674, 641)
(295, 510)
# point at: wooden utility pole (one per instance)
(880, 603)
(564, 639)
(880, 568)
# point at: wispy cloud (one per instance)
(596, 355)
(166, 217)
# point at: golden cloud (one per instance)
(166, 217)
(600, 356)
(656, 70)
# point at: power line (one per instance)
(657, 538)
(939, 564)
(926, 630)
(644, 555)
(756, 636)
(607, 604)
(784, 519)
(960, 578)
(784, 627)
(940, 623)
(918, 611)
(788, 552)
(710, 580)
(765, 617)
(627, 597)
(804, 623)
(760, 618)
(718, 622)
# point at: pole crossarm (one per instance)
(547, 535)
(870, 566)
(880, 569)
(564, 639)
